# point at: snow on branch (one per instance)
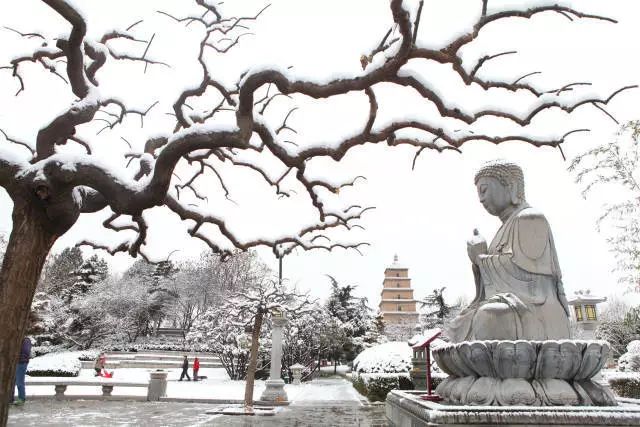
(202, 137)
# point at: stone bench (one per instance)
(156, 387)
(60, 385)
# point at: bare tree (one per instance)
(616, 164)
(50, 187)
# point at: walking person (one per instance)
(185, 369)
(100, 362)
(196, 368)
(21, 371)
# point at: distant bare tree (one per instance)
(51, 187)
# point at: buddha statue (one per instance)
(519, 292)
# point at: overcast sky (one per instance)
(423, 215)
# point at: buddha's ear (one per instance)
(513, 192)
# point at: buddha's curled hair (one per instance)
(508, 173)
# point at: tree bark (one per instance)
(253, 360)
(28, 247)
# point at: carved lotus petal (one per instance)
(460, 389)
(515, 391)
(459, 360)
(571, 352)
(594, 356)
(558, 392)
(514, 359)
(443, 357)
(483, 391)
(598, 394)
(549, 363)
(444, 388)
(477, 356)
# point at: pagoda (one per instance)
(397, 305)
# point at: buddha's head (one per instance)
(500, 185)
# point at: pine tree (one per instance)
(92, 271)
(161, 295)
(58, 274)
(353, 315)
(438, 309)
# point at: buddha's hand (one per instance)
(476, 246)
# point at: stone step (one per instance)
(168, 357)
(152, 364)
(158, 353)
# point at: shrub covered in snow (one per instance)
(630, 361)
(625, 384)
(391, 357)
(55, 365)
(634, 347)
(376, 386)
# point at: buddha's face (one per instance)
(494, 196)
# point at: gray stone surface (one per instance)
(107, 413)
(296, 372)
(519, 292)
(274, 391)
(538, 373)
(406, 409)
(157, 385)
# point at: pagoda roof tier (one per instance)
(397, 289)
(398, 300)
(396, 278)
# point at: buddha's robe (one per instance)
(520, 294)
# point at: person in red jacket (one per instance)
(196, 368)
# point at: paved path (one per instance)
(324, 402)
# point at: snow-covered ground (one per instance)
(217, 385)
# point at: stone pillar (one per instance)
(274, 392)
(157, 385)
(296, 370)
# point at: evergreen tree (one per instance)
(438, 309)
(161, 296)
(92, 271)
(353, 316)
(58, 274)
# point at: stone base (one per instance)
(488, 391)
(274, 392)
(406, 409)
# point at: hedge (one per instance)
(625, 385)
(375, 387)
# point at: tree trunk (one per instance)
(253, 360)
(24, 258)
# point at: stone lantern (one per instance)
(421, 372)
(584, 312)
(296, 371)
